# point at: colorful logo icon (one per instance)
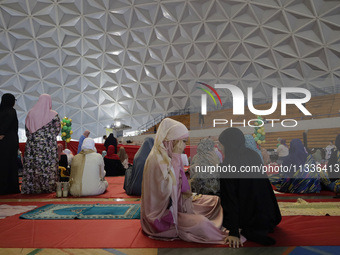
(204, 97)
(209, 93)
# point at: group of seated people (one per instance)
(85, 173)
(204, 207)
(232, 209)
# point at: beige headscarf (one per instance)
(159, 180)
(165, 212)
(168, 131)
(122, 154)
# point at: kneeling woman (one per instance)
(87, 175)
(168, 209)
(248, 200)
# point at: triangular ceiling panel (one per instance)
(132, 60)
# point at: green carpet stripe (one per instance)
(36, 251)
(113, 251)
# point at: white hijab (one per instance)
(88, 144)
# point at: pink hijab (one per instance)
(40, 114)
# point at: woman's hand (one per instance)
(2, 137)
(233, 241)
(196, 197)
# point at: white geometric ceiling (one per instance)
(132, 60)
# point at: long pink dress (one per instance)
(167, 208)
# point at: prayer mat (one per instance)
(10, 210)
(84, 211)
(302, 207)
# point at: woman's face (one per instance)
(179, 146)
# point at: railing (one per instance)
(226, 105)
(160, 117)
(151, 123)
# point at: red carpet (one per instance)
(14, 232)
(115, 190)
(18, 233)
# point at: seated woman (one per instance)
(111, 140)
(247, 199)
(124, 158)
(265, 156)
(87, 175)
(250, 143)
(112, 163)
(333, 168)
(301, 179)
(168, 209)
(282, 151)
(69, 155)
(134, 176)
(317, 155)
(205, 182)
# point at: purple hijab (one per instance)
(283, 142)
(297, 154)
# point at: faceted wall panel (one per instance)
(104, 60)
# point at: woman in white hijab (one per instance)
(87, 175)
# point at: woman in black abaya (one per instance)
(9, 144)
(111, 140)
(248, 201)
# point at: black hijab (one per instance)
(111, 140)
(247, 198)
(238, 155)
(7, 101)
(234, 145)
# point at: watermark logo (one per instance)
(238, 99)
(204, 97)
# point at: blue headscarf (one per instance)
(297, 154)
(283, 142)
(251, 144)
(134, 182)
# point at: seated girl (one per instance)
(124, 158)
(64, 167)
(113, 165)
(168, 209)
